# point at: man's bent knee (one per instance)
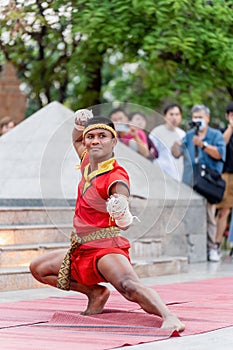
(47, 265)
(129, 288)
(36, 269)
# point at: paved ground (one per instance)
(216, 340)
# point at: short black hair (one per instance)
(100, 120)
(116, 110)
(170, 106)
(229, 107)
(131, 115)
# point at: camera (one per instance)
(194, 124)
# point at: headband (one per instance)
(99, 126)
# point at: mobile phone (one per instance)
(122, 127)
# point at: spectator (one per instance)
(6, 124)
(138, 119)
(211, 152)
(128, 134)
(163, 138)
(226, 204)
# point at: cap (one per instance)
(229, 107)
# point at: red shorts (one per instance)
(84, 262)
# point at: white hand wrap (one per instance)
(118, 208)
(81, 117)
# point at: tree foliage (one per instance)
(142, 51)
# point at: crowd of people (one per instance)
(173, 150)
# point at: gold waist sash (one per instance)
(64, 276)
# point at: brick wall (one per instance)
(12, 100)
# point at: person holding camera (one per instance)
(129, 134)
(211, 149)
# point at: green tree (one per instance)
(142, 51)
(185, 55)
(34, 37)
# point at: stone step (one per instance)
(161, 266)
(146, 248)
(36, 215)
(19, 278)
(40, 233)
(23, 254)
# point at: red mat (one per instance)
(55, 323)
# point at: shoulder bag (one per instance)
(208, 182)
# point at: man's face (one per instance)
(201, 115)
(173, 116)
(99, 144)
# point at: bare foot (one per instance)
(172, 322)
(96, 300)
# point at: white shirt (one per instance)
(163, 139)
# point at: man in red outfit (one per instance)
(98, 252)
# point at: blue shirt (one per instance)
(214, 138)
